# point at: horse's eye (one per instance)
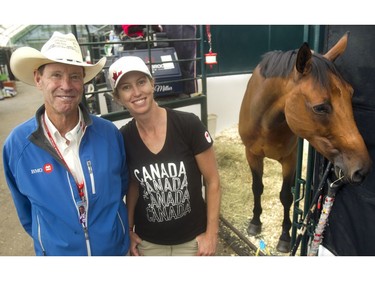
(323, 108)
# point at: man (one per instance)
(186, 50)
(64, 159)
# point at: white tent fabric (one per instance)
(7, 31)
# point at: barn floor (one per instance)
(237, 197)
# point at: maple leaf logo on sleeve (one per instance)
(116, 75)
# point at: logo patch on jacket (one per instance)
(208, 137)
(48, 168)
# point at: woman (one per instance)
(170, 152)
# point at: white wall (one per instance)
(224, 97)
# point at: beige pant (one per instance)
(190, 248)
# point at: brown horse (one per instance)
(299, 93)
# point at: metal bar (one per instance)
(311, 210)
(139, 41)
(204, 114)
(308, 188)
(172, 103)
(297, 212)
(240, 235)
(202, 100)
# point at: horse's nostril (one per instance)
(358, 176)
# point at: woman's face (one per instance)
(135, 91)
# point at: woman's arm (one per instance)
(131, 201)
(207, 242)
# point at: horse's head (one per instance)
(319, 109)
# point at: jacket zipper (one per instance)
(87, 240)
(122, 223)
(84, 227)
(40, 237)
(85, 230)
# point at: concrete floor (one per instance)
(13, 239)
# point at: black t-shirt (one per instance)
(170, 208)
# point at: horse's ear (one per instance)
(338, 49)
(303, 62)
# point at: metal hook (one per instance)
(339, 179)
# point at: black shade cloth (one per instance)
(351, 225)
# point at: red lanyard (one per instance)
(80, 186)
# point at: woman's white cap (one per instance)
(125, 65)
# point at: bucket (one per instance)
(211, 124)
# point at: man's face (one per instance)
(62, 87)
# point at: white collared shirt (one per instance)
(69, 146)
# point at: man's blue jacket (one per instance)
(45, 194)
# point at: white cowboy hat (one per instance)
(124, 65)
(60, 48)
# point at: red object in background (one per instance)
(133, 30)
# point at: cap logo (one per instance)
(116, 75)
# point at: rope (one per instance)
(208, 31)
(327, 206)
(303, 229)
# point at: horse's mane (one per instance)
(281, 64)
